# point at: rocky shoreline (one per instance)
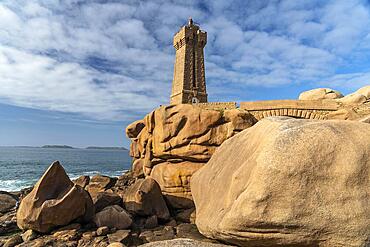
(205, 177)
(146, 219)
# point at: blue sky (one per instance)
(77, 72)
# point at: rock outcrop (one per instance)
(182, 138)
(100, 183)
(175, 181)
(359, 97)
(320, 94)
(145, 198)
(7, 201)
(113, 217)
(288, 182)
(54, 201)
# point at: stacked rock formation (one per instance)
(305, 183)
(173, 142)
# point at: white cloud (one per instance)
(48, 84)
(115, 59)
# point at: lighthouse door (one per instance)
(194, 100)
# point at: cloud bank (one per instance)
(114, 60)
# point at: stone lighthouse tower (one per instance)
(189, 82)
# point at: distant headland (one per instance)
(70, 147)
(57, 146)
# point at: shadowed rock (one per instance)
(7, 201)
(113, 217)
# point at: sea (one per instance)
(21, 167)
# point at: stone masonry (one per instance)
(189, 83)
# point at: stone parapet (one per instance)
(329, 105)
(217, 105)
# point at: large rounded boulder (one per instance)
(54, 201)
(288, 182)
(320, 94)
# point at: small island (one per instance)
(57, 146)
(107, 148)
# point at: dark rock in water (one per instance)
(54, 201)
(181, 242)
(82, 181)
(113, 217)
(145, 198)
(7, 201)
(104, 199)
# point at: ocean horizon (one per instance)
(21, 167)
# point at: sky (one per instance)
(77, 72)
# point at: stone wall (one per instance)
(217, 105)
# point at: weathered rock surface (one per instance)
(174, 179)
(163, 233)
(82, 181)
(120, 236)
(320, 94)
(8, 223)
(13, 241)
(359, 97)
(181, 242)
(133, 130)
(145, 198)
(183, 138)
(288, 182)
(104, 199)
(100, 183)
(29, 235)
(116, 244)
(7, 201)
(113, 217)
(54, 201)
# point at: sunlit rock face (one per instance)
(54, 201)
(172, 142)
(288, 182)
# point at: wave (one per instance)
(18, 184)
